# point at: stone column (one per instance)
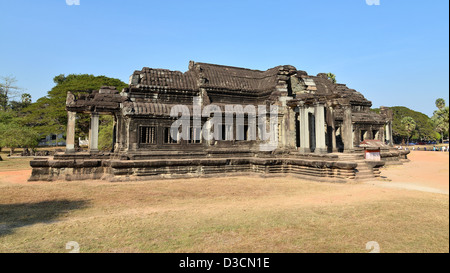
(114, 140)
(347, 129)
(388, 140)
(93, 133)
(391, 137)
(332, 125)
(70, 138)
(382, 134)
(319, 114)
(304, 129)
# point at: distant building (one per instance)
(52, 140)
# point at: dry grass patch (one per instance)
(240, 214)
(14, 164)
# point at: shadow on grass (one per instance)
(13, 216)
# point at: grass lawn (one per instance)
(14, 164)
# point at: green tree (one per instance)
(59, 79)
(8, 91)
(3, 99)
(17, 106)
(425, 130)
(331, 77)
(441, 118)
(48, 114)
(105, 134)
(26, 98)
(13, 136)
(440, 103)
(410, 125)
(6, 117)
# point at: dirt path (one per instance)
(427, 171)
(16, 177)
(406, 186)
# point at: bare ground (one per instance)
(410, 213)
(427, 171)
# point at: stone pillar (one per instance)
(332, 126)
(319, 114)
(70, 138)
(304, 129)
(93, 133)
(114, 140)
(391, 137)
(382, 134)
(282, 132)
(388, 140)
(347, 129)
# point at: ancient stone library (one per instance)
(216, 120)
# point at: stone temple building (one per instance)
(318, 131)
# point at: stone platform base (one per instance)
(110, 167)
(394, 156)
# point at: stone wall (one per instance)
(320, 169)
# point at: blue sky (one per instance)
(396, 53)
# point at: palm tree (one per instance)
(409, 125)
(440, 118)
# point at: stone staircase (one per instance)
(364, 171)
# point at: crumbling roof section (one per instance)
(241, 79)
(213, 77)
(106, 99)
(321, 85)
(150, 77)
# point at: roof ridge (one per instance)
(240, 68)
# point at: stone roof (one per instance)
(147, 108)
(325, 86)
(212, 77)
(222, 77)
(150, 77)
(106, 99)
(151, 87)
(237, 80)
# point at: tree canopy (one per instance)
(441, 118)
(9, 91)
(424, 130)
(440, 103)
(410, 125)
(14, 136)
(23, 123)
